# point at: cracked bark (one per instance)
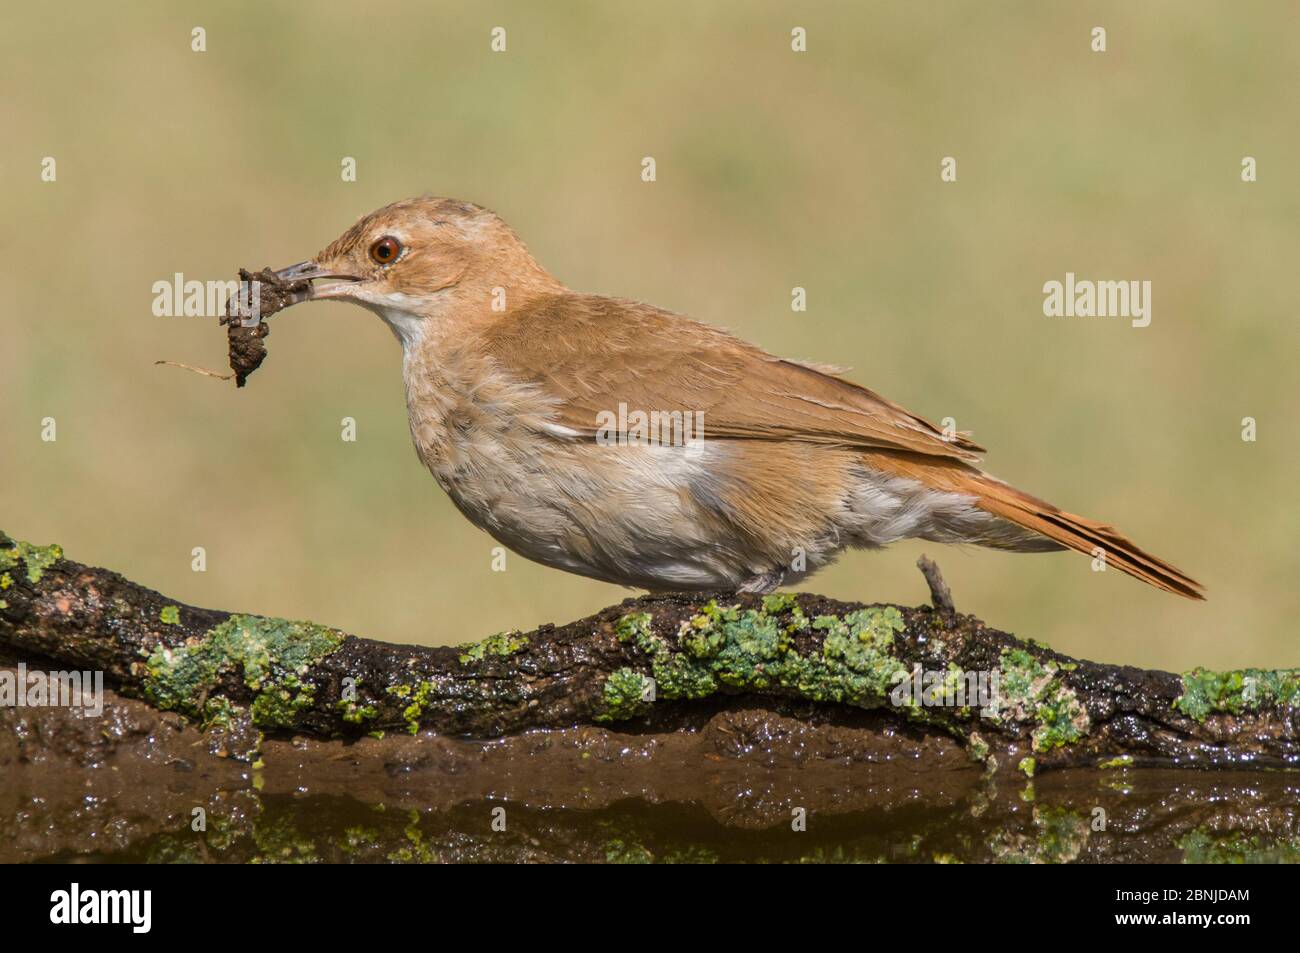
(1062, 711)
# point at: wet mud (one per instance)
(247, 345)
(735, 783)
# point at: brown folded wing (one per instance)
(591, 354)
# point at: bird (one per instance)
(637, 446)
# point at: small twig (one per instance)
(940, 594)
(196, 370)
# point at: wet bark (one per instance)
(653, 664)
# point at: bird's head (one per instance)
(425, 263)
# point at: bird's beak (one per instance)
(305, 272)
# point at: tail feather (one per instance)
(1038, 516)
(1085, 536)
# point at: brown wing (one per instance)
(592, 353)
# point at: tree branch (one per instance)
(940, 594)
(648, 663)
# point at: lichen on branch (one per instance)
(653, 662)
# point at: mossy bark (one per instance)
(648, 664)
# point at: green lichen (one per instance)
(359, 839)
(419, 696)
(353, 713)
(37, 559)
(1031, 691)
(1059, 837)
(619, 851)
(1028, 765)
(779, 602)
(418, 851)
(499, 645)
(270, 656)
(170, 615)
(625, 695)
(1203, 846)
(1123, 761)
(280, 842)
(6, 581)
(635, 628)
(1237, 691)
(219, 712)
(729, 649)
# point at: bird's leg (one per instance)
(763, 583)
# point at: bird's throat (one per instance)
(408, 327)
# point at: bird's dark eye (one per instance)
(386, 250)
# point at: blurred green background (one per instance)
(775, 169)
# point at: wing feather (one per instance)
(589, 354)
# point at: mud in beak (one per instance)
(303, 274)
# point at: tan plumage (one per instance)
(589, 350)
(1076, 532)
(508, 374)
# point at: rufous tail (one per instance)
(1084, 535)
